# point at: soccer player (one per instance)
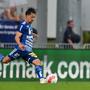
(24, 39)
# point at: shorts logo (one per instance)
(33, 55)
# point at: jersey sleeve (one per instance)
(21, 28)
(34, 31)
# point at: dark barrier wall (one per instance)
(7, 31)
(68, 64)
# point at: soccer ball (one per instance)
(52, 78)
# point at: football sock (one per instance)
(1, 57)
(39, 71)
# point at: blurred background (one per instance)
(52, 17)
(70, 63)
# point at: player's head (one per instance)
(70, 23)
(30, 15)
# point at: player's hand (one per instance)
(22, 47)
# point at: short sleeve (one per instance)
(21, 28)
(34, 30)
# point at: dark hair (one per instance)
(30, 10)
(69, 21)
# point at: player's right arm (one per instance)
(17, 39)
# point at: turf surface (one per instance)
(36, 86)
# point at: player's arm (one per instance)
(17, 39)
(35, 33)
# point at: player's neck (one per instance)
(26, 21)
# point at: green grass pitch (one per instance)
(37, 86)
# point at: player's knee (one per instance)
(37, 62)
(6, 60)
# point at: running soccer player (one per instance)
(24, 39)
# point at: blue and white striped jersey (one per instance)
(27, 37)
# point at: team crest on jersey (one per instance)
(30, 31)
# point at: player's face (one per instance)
(31, 17)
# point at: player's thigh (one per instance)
(14, 54)
(32, 58)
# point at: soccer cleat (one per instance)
(1, 57)
(43, 81)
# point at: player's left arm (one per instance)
(35, 33)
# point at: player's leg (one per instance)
(1, 57)
(32, 58)
(39, 70)
(14, 54)
(4, 59)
